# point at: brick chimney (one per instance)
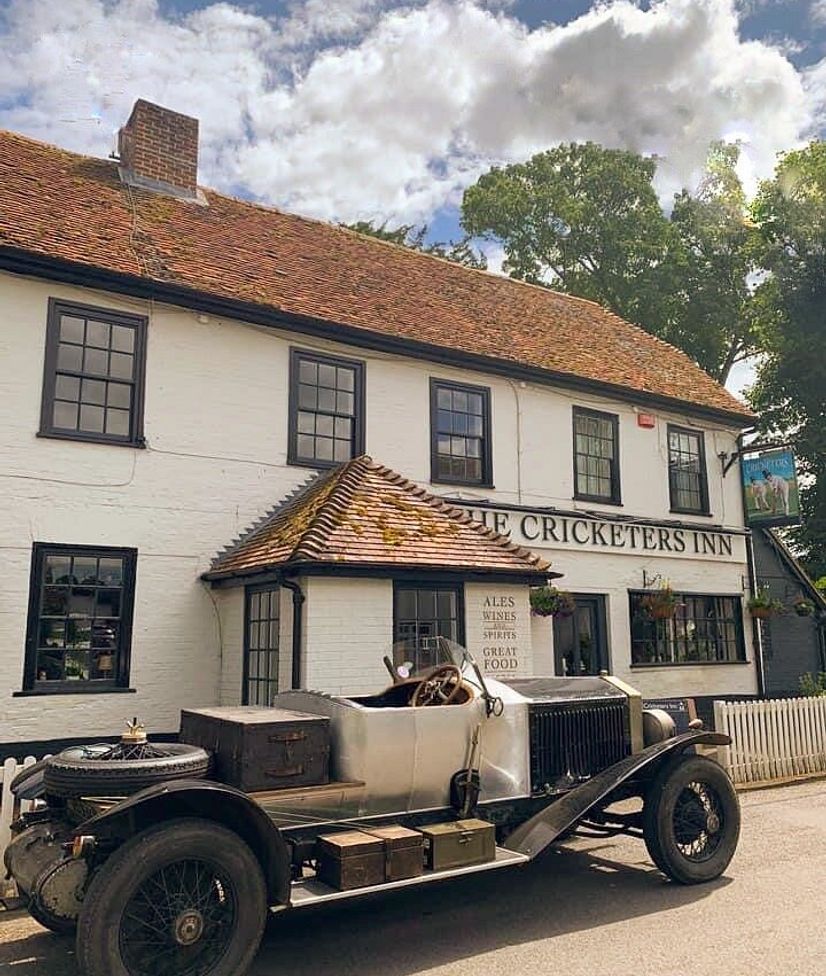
(158, 150)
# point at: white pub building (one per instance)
(243, 450)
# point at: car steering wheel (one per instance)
(440, 687)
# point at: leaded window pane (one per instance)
(596, 468)
(90, 355)
(81, 614)
(686, 470)
(262, 646)
(325, 420)
(423, 614)
(703, 629)
(460, 419)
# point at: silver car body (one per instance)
(400, 759)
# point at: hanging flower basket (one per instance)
(803, 607)
(660, 604)
(548, 601)
(761, 606)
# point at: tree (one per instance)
(790, 392)
(409, 235)
(715, 312)
(581, 218)
(587, 220)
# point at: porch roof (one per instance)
(362, 515)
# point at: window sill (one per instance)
(598, 500)
(463, 484)
(690, 511)
(63, 690)
(90, 439)
(688, 664)
(297, 462)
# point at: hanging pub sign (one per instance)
(770, 488)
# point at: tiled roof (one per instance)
(363, 514)
(57, 204)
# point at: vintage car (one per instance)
(164, 870)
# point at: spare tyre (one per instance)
(119, 771)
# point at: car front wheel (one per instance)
(691, 820)
(183, 898)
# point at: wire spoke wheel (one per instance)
(699, 821)
(691, 819)
(182, 898)
(180, 921)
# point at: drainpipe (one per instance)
(298, 602)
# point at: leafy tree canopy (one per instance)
(790, 392)
(587, 220)
(409, 235)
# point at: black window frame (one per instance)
(704, 508)
(486, 478)
(297, 355)
(615, 497)
(274, 589)
(664, 632)
(458, 588)
(120, 679)
(59, 307)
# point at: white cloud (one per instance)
(817, 11)
(356, 108)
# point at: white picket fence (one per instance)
(9, 810)
(773, 740)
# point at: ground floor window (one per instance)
(261, 645)
(80, 618)
(704, 629)
(421, 613)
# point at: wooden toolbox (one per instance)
(357, 858)
(458, 843)
(258, 748)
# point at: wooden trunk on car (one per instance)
(458, 844)
(259, 749)
(357, 858)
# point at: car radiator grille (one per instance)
(571, 741)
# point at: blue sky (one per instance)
(389, 109)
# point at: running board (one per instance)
(309, 891)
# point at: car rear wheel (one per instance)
(691, 820)
(183, 898)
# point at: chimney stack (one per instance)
(158, 150)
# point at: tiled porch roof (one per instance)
(363, 514)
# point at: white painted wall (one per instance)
(348, 628)
(215, 461)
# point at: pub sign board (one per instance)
(770, 489)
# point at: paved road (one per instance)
(593, 907)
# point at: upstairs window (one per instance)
(80, 618)
(687, 471)
(596, 456)
(94, 371)
(460, 434)
(326, 410)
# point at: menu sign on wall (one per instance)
(500, 634)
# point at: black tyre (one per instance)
(78, 771)
(691, 820)
(183, 898)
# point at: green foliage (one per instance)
(587, 220)
(763, 605)
(582, 218)
(548, 601)
(790, 392)
(812, 686)
(409, 235)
